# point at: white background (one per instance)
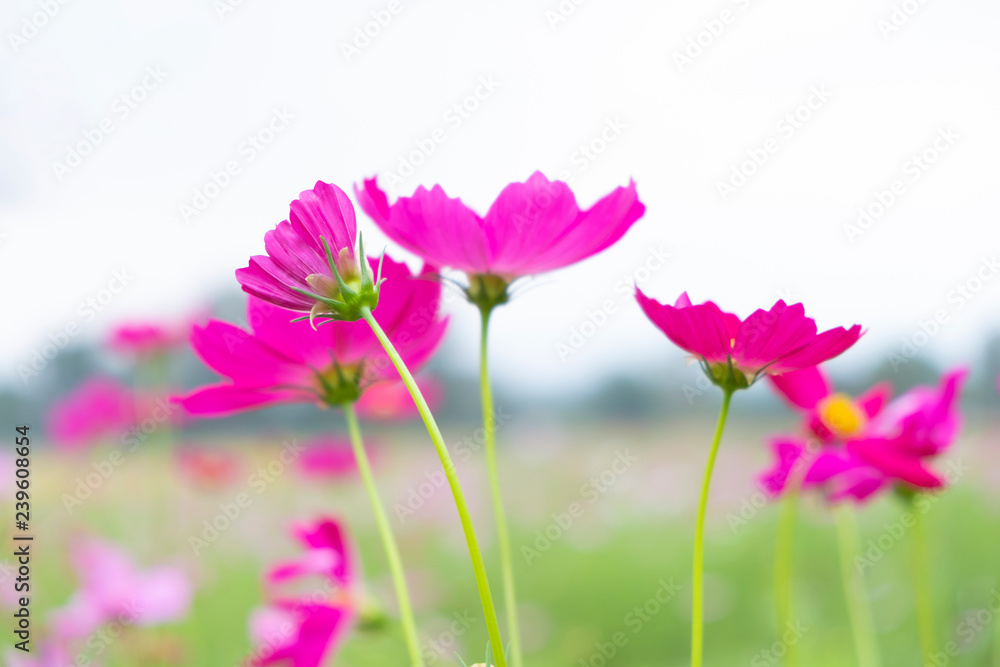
(560, 82)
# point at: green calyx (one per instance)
(343, 295)
(726, 376)
(487, 290)
(339, 385)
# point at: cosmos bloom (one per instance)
(49, 655)
(327, 457)
(311, 265)
(866, 447)
(114, 589)
(736, 352)
(305, 629)
(101, 407)
(209, 467)
(829, 418)
(280, 361)
(392, 402)
(830, 415)
(147, 338)
(531, 228)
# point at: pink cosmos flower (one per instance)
(327, 457)
(48, 655)
(147, 338)
(208, 467)
(280, 361)
(830, 415)
(531, 228)
(104, 409)
(114, 589)
(736, 352)
(305, 629)
(865, 447)
(99, 408)
(392, 402)
(310, 265)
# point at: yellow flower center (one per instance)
(841, 415)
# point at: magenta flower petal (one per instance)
(532, 227)
(227, 399)
(776, 341)
(803, 388)
(873, 400)
(318, 631)
(244, 358)
(325, 211)
(99, 408)
(765, 337)
(883, 455)
(442, 230)
(827, 464)
(526, 221)
(787, 452)
(823, 347)
(281, 361)
(328, 457)
(304, 631)
(594, 230)
(330, 535)
(295, 248)
(702, 330)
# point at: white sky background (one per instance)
(780, 234)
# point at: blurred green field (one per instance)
(629, 543)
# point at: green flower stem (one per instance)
(503, 535)
(388, 539)
(697, 581)
(860, 613)
(783, 559)
(478, 567)
(921, 583)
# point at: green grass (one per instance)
(577, 594)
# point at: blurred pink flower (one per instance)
(296, 259)
(47, 655)
(104, 409)
(7, 470)
(393, 401)
(209, 467)
(531, 228)
(830, 416)
(99, 408)
(327, 457)
(147, 338)
(772, 342)
(290, 362)
(866, 448)
(304, 629)
(113, 589)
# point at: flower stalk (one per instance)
(388, 539)
(921, 582)
(475, 553)
(858, 609)
(783, 568)
(697, 580)
(500, 516)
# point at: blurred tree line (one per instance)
(653, 396)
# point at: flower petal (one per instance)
(701, 330)
(803, 388)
